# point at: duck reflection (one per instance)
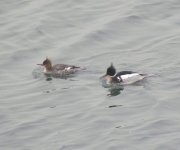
(115, 91)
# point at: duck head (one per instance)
(107, 79)
(111, 71)
(47, 64)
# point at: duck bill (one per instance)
(40, 64)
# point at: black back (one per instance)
(124, 73)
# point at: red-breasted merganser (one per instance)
(123, 77)
(58, 70)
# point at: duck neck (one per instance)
(48, 67)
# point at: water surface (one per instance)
(78, 113)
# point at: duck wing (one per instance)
(128, 77)
(64, 67)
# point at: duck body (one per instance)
(122, 78)
(62, 69)
(58, 70)
(127, 77)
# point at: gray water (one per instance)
(78, 113)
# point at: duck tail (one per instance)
(80, 68)
(148, 75)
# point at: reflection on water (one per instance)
(39, 74)
(48, 78)
(112, 106)
(114, 91)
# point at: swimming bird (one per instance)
(58, 70)
(122, 78)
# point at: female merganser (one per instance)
(58, 70)
(122, 78)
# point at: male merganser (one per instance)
(122, 78)
(58, 70)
